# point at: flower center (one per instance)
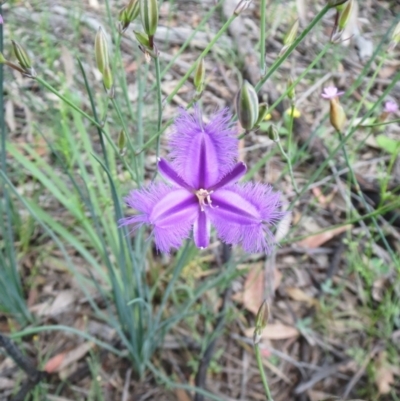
(204, 198)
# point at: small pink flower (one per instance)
(391, 107)
(331, 92)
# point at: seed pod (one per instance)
(199, 76)
(291, 34)
(21, 55)
(346, 14)
(149, 16)
(247, 106)
(101, 50)
(337, 116)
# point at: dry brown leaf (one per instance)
(384, 374)
(316, 240)
(64, 359)
(54, 363)
(181, 395)
(299, 295)
(61, 303)
(253, 293)
(76, 354)
(275, 331)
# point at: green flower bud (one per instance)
(149, 16)
(133, 10)
(262, 113)
(21, 55)
(395, 37)
(346, 14)
(101, 50)
(291, 34)
(129, 14)
(199, 76)
(142, 39)
(261, 321)
(273, 133)
(107, 78)
(247, 106)
(291, 92)
(121, 142)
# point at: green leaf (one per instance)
(389, 145)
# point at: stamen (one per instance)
(204, 198)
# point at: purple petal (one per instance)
(170, 174)
(203, 153)
(201, 230)
(232, 177)
(243, 214)
(170, 211)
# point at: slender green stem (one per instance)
(262, 372)
(263, 10)
(289, 163)
(159, 103)
(125, 128)
(188, 40)
(349, 135)
(301, 76)
(280, 60)
(366, 205)
(289, 146)
(67, 101)
(202, 55)
(397, 120)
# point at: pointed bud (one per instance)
(247, 106)
(337, 115)
(261, 321)
(199, 76)
(122, 142)
(273, 133)
(149, 16)
(2, 59)
(107, 78)
(128, 14)
(346, 14)
(395, 37)
(142, 39)
(101, 50)
(290, 36)
(262, 113)
(291, 89)
(21, 55)
(242, 6)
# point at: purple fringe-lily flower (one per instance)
(204, 191)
